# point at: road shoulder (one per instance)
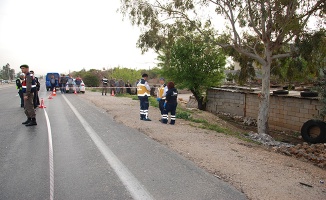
(254, 170)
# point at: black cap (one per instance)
(24, 66)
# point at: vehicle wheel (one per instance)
(281, 92)
(308, 94)
(314, 131)
(83, 92)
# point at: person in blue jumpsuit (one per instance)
(143, 92)
(170, 104)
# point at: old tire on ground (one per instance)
(281, 92)
(308, 94)
(309, 135)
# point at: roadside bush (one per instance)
(91, 80)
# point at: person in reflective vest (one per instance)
(20, 89)
(161, 92)
(105, 85)
(28, 88)
(170, 104)
(143, 92)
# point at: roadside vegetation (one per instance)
(270, 38)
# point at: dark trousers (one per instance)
(161, 106)
(170, 107)
(144, 104)
(129, 91)
(104, 89)
(63, 88)
(20, 92)
(36, 99)
(29, 106)
(52, 87)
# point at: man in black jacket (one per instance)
(36, 99)
(20, 89)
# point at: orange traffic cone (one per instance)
(54, 93)
(42, 104)
(75, 92)
(112, 93)
(50, 97)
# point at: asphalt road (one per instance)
(77, 151)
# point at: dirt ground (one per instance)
(255, 170)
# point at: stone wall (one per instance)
(286, 112)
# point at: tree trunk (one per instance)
(264, 96)
(200, 100)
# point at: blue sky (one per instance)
(68, 35)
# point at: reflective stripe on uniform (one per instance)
(146, 114)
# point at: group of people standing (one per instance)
(28, 87)
(166, 96)
(64, 80)
(116, 87)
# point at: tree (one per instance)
(91, 80)
(7, 73)
(193, 64)
(257, 29)
(125, 74)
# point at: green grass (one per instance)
(153, 102)
(183, 115)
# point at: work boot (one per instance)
(147, 119)
(27, 121)
(32, 122)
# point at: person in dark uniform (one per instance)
(170, 104)
(36, 99)
(143, 92)
(20, 89)
(63, 81)
(29, 86)
(112, 85)
(104, 85)
(128, 86)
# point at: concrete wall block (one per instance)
(303, 120)
(295, 109)
(294, 119)
(313, 111)
(308, 106)
(303, 111)
(285, 113)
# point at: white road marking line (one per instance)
(50, 155)
(136, 190)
